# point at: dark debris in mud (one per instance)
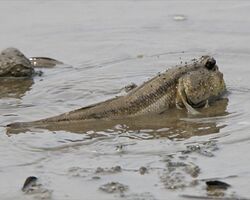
(30, 182)
(96, 178)
(216, 188)
(215, 184)
(143, 170)
(212, 197)
(95, 174)
(204, 149)
(112, 170)
(139, 196)
(130, 87)
(114, 187)
(33, 187)
(179, 174)
(78, 172)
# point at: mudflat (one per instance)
(106, 46)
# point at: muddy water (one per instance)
(107, 45)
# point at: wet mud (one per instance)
(106, 46)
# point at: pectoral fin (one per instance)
(183, 97)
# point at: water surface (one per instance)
(106, 45)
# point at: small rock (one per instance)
(217, 185)
(29, 183)
(143, 170)
(32, 187)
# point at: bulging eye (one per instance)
(211, 64)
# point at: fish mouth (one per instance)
(201, 104)
(204, 103)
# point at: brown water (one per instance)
(107, 45)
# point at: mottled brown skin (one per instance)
(189, 86)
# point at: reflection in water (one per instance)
(174, 123)
(17, 87)
(14, 87)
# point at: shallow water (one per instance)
(107, 45)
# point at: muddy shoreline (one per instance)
(106, 46)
